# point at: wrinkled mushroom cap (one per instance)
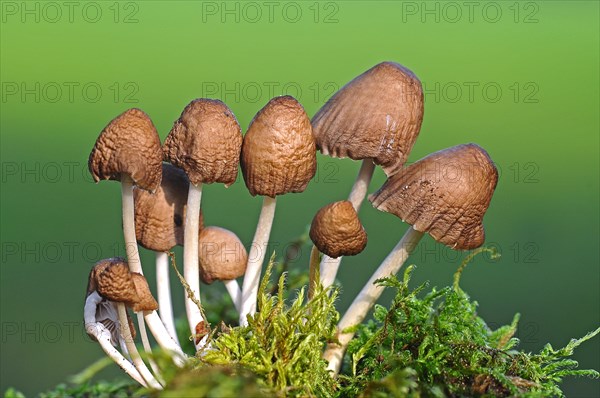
(205, 142)
(337, 231)
(222, 255)
(128, 145)
(146, 301)
(113, 281)
(279, 153)
(160, 216)
(445, 194)
(377, 115)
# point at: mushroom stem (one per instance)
(164, 340)
(367, 297)
(163, 287)
(133, 255)
(104, 337)
(330, 266)
(133, 352)
(148, 348)
(190, 255)
(313, 271)
(256, 258)
(233, 288)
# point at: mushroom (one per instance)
(278, 157)
(159, 227)
(445, 194)
(128, 150)
(223, 257)
(205, 142)
(110, 288)
(335, 231)
(375, 118)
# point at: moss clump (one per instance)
(433, 344)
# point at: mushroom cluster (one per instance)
(375, 118)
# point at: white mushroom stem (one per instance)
(330, 266)
(148, 348)
(256, 258)
(131, 248)
(235, 292)
(103, 336)
(190, 256)
(133, 352)
(367, 297)
(164, 340)
(163, 286)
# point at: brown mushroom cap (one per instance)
(222, 255)
(146, 301)
(279, 152)
(445, 194)
(377, 115)
(205, 142)
(128, 145)
(337, 231)
(160, 216)
(113, 281)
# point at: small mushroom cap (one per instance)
(205, 142)
(128, 145)
(377, 115)
(222, 255)
(113, 281)
(337, 231)
(279, 152)
(160, 216)
(146, 301)
(445, 194)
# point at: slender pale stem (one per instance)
(104, 337)
(164, 340)
(163, 286)
(313, 271)
(256, 258)
(133, 352)
(148, 348)
(133, 255)
(235, 292)
(330, 266)
(367, 297)
(191, 271)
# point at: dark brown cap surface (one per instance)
(146, 301)
(337, 231)
(160, 216)
(377, 115)
(279, 153)
(205, 142)
(222, 255)
(445, 194)
(113, 281)
(128, 145)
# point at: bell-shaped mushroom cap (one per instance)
(113, 281)
(159, 216)
(377, 115)
(146, 301)
(128, 145)
(222, 255)
(205, 142)
(445, 194)
(337, 231)
(279, 152)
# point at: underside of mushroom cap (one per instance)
(377, 115)
(337, 231)
(279, 152)
(445, 194)
(129, 145)
(160, 216)
(222, 256)
(113, 281)
(205, 142)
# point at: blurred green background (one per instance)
(518, 78)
